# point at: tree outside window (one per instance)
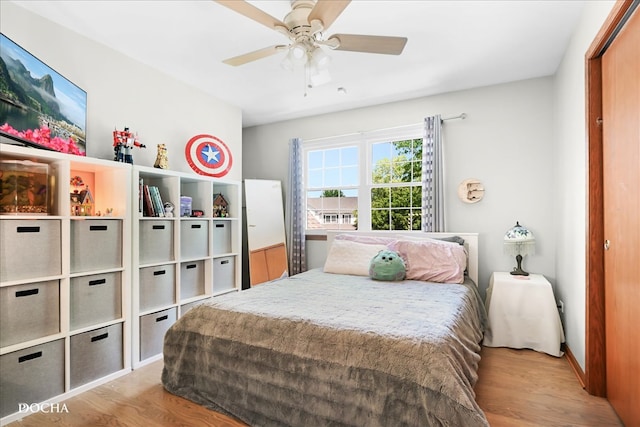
(396, 193)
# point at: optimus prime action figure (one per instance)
(123, 142)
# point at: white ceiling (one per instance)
(453, 45)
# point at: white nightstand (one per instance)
(523, 314)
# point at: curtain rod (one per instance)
(459, 116)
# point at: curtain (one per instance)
(432, 176)
(295, 210)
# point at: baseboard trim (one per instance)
(575, 366)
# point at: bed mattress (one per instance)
(320, 349)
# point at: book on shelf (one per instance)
(148, 204)
(141, 197)
(158, 205)
(152, 204)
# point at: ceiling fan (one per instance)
(305, 26)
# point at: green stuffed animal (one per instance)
(387, 265)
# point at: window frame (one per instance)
(364, 142)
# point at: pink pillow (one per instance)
(432, 260)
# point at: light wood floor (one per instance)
(516, 388)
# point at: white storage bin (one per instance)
(95, 299)
(29, 311)
(221, 237)
(224, 273)
(31, 375)
(95, 245)
(194, 239)
(95, 354)
(29, 249)
(191, 279)
(152, 329)
(157, 286)
(156, 241)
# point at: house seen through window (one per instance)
(368, 182)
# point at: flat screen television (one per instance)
(38, 106)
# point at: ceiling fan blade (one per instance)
(252, 12)
(369, 44)
(327, 11)
(254, 56)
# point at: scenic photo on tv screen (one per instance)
(38, 106)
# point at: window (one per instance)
(396, 185)
(367, 181)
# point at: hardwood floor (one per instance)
(516, 388)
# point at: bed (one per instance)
(331, 349)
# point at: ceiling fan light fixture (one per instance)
(318, 77)
(298, 53)
(320, 59)
(287, 62)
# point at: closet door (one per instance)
(621, 155)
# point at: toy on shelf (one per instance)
(80, 197)
(168, 209)
(123, 142)
(24, 187)
(82, 203)
(162, 160)
(220, 206)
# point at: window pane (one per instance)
(400, 197)
(314, 178)
(380, 219)
(401, 219)
(417, 171)
(381, 173)
(350, 176)
(331, 209)
(380, 151)
(350, 156)
(379, 197)
(416, 219)
(331, 177)
(314, 159)
(331, 158)
(416, 196)
(401, 172)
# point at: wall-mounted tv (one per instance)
(38, 106)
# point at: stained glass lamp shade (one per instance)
(518, 242)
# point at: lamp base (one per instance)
(518, 271)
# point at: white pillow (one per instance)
(347, 257)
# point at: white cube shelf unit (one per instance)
(64, 280)
(180, 261)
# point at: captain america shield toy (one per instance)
(208, 155)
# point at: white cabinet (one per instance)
(64, 279)
(180, 261)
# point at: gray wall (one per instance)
(123, 92)
(570, 159)
(506, 142)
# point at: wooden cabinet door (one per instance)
(621, 186)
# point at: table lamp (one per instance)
(519, 241)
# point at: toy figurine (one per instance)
(162, 161)
(123, 142)
(168, 209)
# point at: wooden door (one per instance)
(621, 208)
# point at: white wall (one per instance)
(570, 158)
(506, 142)
(123, 92)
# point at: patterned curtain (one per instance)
(295, 210)
(432, 176)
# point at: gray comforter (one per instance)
(321, 349)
